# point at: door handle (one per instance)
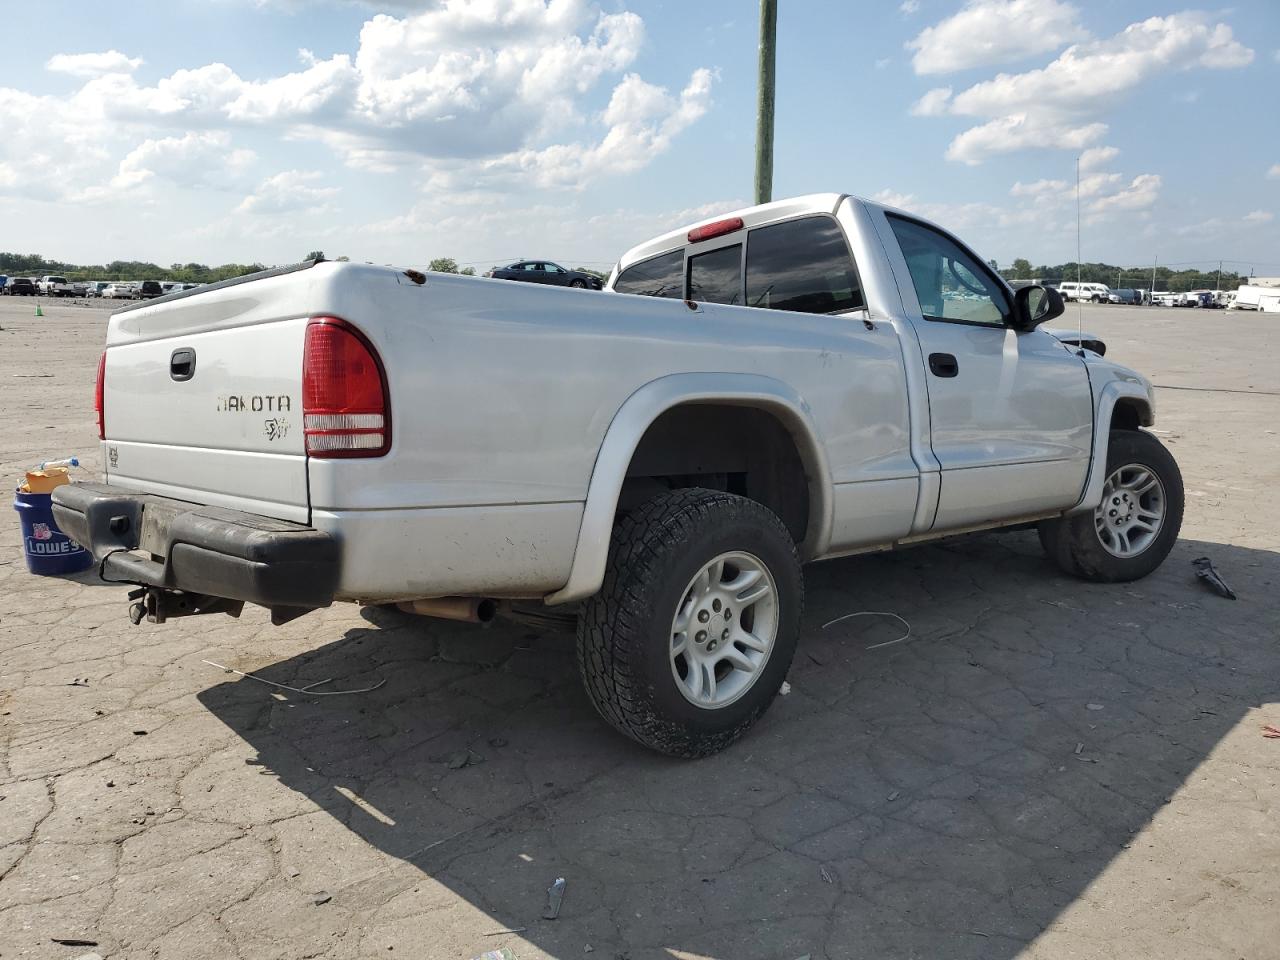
(943, 365)
(182, 364)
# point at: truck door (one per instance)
(1011, 413)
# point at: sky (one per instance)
(494, 130)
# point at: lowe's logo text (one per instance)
(47, 548)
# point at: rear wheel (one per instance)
(1132, 530)
(693, 631)
(580, 284)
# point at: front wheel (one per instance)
(580, 284)
(1129, 534)
(693, 631)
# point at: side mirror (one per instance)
(1034, 305)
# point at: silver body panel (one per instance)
(516, 408)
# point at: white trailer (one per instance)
(1252, 297)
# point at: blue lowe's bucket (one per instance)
(49, 551)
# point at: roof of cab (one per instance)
(751, 216)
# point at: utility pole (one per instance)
(1154, 263)
(764, 100)
(1218, 286)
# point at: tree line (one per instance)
(1175, 281)
(34, 265)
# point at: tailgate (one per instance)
(203, 399)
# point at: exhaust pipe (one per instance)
(468, 609)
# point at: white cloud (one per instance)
(1141, 194)
(1092, 72)
(1101, 193)
(1259, 216)
(933, 104)
(326, 86)
(289, 192)
(1020, 131)
(908, 7)
(494, 87)
(1097, 156)
(47, 150)
(193, 160)
(1274, 172)
(1039, 189)
(1058, 105)
(641, 118)
(92, 64)
(892, 198)
(989, 32)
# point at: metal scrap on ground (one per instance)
(309, 689)
(1206, 572)
(555, 897)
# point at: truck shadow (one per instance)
(945, 796)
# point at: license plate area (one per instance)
(153, 538)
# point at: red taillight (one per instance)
(717, 229)
(98, 405)
(345, 410)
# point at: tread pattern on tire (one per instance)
(1072, 542)
(609, 622)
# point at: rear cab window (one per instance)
(802, 265)
(716, 276)
(660, 276)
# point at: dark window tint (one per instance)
(659, 277)
(802, 265)
(716, 277)
(950, 284)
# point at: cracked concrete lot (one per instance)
(1046, 769)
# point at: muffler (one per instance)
(467, 609)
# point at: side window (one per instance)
(661, 276)
(949, 284)
(802, 265)
(716, 277)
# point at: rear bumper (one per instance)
(160, 542)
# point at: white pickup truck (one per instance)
(52, 286)
(801, 380)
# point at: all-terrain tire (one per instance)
(1073, 542)
(625, 630)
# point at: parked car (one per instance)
(94, 288)
(1093, 292)
(544, 271)
(795, 381)
(118, 290)
(21, 287)
(52, 286)
(1125, 295)
(4, 280)
(149, 290)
